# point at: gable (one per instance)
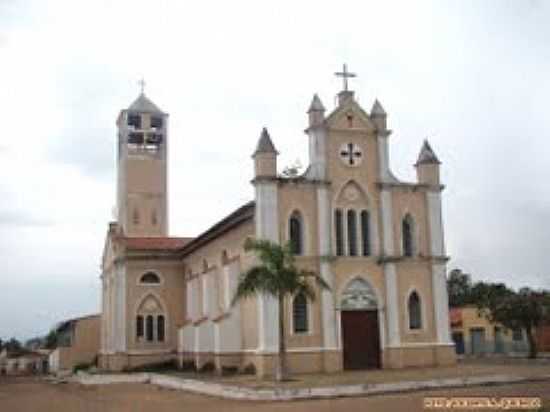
(350, 115)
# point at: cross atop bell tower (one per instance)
(345, 94)
(142, 200)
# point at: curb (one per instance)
(283, 394)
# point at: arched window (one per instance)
(365, 222)
(139, 326)
(415, 312)
(352, 233)
(160, 328)
(339, 232)
(296, 233)
(300, 314)
(135, 216)
(150, 278)
(154, 219)
(149, 328)
(407, 230)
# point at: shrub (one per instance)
(188, 366)
(155, 367)
(81, 367)
(207, 367)
(249, 369)
(229, 370)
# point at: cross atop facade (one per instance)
(345, 75)
(141, 83)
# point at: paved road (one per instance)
(24, 395)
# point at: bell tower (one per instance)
(142, 203)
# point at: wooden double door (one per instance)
(360, 339)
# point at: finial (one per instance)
(141, 83)
(344, 74)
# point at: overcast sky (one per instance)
(473, 77)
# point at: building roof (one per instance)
(241, 215)
(427, 155)
(265, 145)
(143, 105)
(156, 243)
(69, 322)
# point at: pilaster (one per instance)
(439, 281)
(390, 275)
(328, 312)
(267, 228)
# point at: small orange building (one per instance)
(475, 335)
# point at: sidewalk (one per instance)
(364, 383)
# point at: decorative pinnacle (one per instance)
(427, 155)
(377, 109)
(265, 145)
(316, 104)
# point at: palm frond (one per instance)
(255, 280)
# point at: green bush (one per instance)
(249, 369)
(83, 366)
(207, 367)
(168, 365)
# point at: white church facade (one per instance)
(377, 241)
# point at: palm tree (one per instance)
(276, 276)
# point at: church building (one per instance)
(376, 240)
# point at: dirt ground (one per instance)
(34, 395)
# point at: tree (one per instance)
(51, 339)
(276, 276)
(13, 345)
(459, 287)
(526, 309)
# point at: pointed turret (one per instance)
(427, 155)
(265, 156)
(316, 111)
(427, 165)
(378, 115)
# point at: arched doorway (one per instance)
(359, 322)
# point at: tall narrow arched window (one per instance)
(352, 233)
(139, 326)
(135, 216)
(154, 219)
(296, 235)
(339, 232)
(160, 328)
(365, 232)
(415, 312)
(149, 328)
(300, 314)
(407, 231)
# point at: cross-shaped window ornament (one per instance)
(351, 154)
